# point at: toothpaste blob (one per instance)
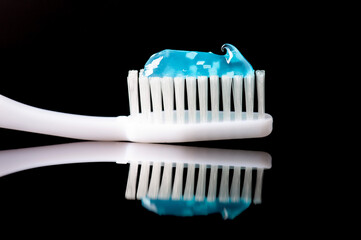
(189, 208)
(178, 63)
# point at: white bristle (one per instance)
(247, 186)
(223, 189)
(237, 85)
(203, 97)
(143, 180)
(156, 93)
(179, 98)
(168, 98)
(257, 199)
(163, 187)
(144, 94)
(132, 181)
(178, 182)
(166, 185)
(214, 85)
(212, 189)
(260, 76)
(133, 92)
(249, 91)
(236, 184)
(192, 100)
(161, 92)
(226, 97)
(201, 183)
(189, 187)
(154, 180)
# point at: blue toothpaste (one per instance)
(188, 208)
(178, 63)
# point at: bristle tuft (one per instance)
(212, 189)
(249, 87)
(214, 85)
(179, 98)
(189, 187)
(201, 183)
(133, 92)
(247, 186)
(226, 97)
(144, 90)
(132, 181)
(257, 199)
(236, 185)
(223, 189)
(166, 185)
(237, 87)
(168, 98)
(178, 182)
(203, 97)
(260, 76)
(192, 100)
(143, 180)
(156, 92)
(154, 181)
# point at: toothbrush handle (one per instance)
(18, 116)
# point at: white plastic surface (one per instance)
(141, 152)
(123, 152)
(139, 130)
(18, 116)
(81, 152)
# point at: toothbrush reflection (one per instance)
(197, 169)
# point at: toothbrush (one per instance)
(183, 76)
(157, 162)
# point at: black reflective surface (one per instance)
(74, 57)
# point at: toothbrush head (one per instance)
(197, 96)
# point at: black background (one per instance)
(74, 56)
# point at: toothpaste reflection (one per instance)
(205, 180)
(230, 202)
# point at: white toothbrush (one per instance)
(160, 120)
